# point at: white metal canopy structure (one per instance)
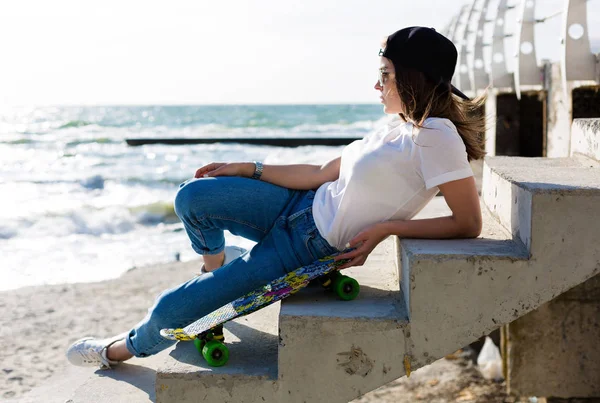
(475, 71)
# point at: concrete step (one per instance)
(328, 332)
(547, 204)
(252, 341)
(556, 184)
(344, 349)
(446, 284)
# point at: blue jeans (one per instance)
(280, 220)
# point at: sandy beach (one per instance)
(39, 323)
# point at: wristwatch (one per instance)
(258, 169)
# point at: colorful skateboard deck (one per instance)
(202, 331)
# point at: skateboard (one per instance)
(207, 332)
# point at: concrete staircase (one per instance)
(420, 299)
(539, 240)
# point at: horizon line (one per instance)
(181, 104)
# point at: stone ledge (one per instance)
(494, 243)
(548, 175)
(379, 297)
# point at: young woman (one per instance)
(300, 213)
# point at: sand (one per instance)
(39, 323)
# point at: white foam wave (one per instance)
(83, 258)
(70, 201)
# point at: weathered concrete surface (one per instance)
(252, 342)
(585, 138)
(489, 282)
(511, 184)
(559, 112)
(468, 274)
(491, 122)
(315, 330)
(554, 350)
(339, 360)
(358, 344)
(550, 205)
(129, 382)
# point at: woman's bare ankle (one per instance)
(213, 262)
(118, 351)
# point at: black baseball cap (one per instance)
(425, 50)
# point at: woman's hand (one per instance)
(364, 242)
(225, 169)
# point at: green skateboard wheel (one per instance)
(199, 344)
(346, 287)
(215, 353)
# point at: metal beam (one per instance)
(500, 77)
(527, 72)
(462, 78)
(478, 74)
(577, 61)
(457, 39)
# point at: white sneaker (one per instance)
(91, 352)
(232, 252)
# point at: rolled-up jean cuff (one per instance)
(212, 252)
(203, 252)
(130, 347)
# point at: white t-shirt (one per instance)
(386, 176)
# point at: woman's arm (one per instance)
(465, 221)
(298, 176)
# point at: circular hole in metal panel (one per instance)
(498, 57)
(463, 68)
(526, 48)
(576, 31)
(500, 21)
(478, 64)
(529, 4)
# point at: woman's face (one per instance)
(387, 86)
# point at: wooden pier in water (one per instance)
(277, 142)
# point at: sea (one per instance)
(77, 204)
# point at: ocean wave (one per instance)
(155, 213)
(75, 123)
(91, 221)
(146, 181)
(93, 182)
(99, 140)
(18, 141)
(12, 227)
(96, 222)
(342, 127)
(7, 232)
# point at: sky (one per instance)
(73, 52)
